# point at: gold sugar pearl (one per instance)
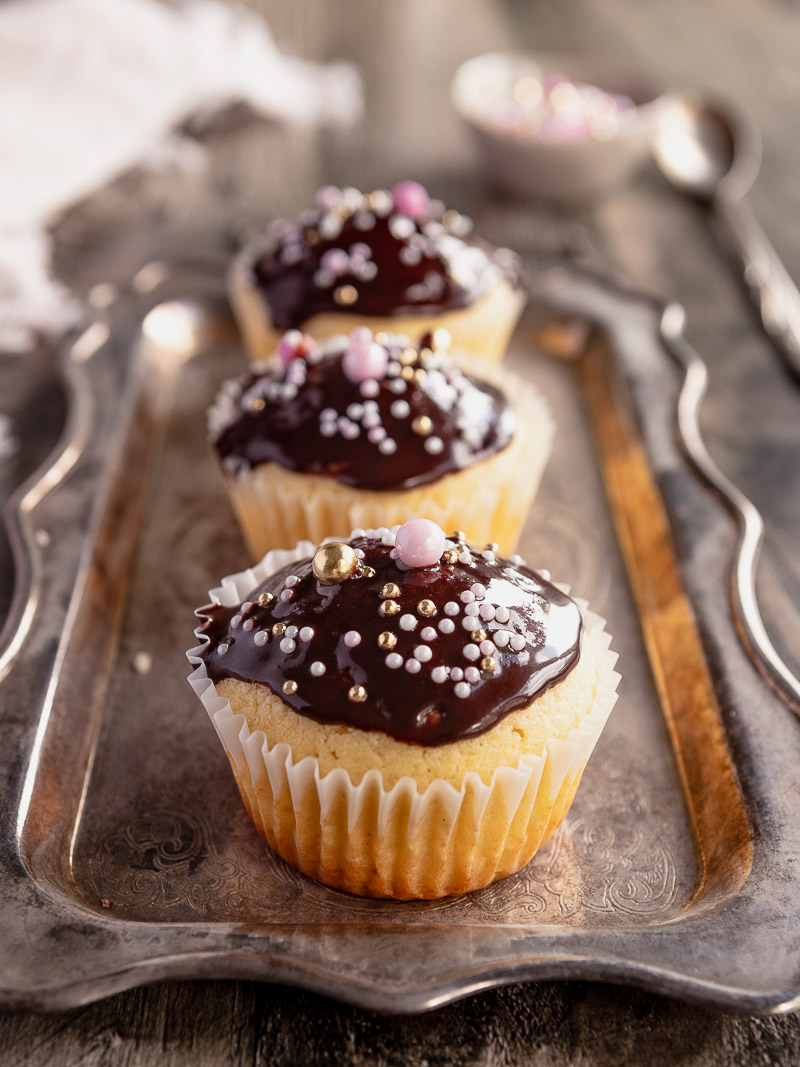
(422, 425)
(426, 607)
(390, 590)
(451, 556)
(265, 599)
(345, 294)
(420, 374)
(334, 563)
(257, 403)
(367, 572)
(279, 629)
(389, 607)
(488, 665)
(289, 687)
(387, 640)
(408, 356)
(357, 693)
(493, 546)
(382, 338)
(407, 374)
(458, 535)
(478, 635)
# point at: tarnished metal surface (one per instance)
(125, 855)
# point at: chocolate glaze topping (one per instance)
(310, 417)
(429, 681)
(362, 255)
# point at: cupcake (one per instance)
(368, 431)
(395, 261)
(406, 715)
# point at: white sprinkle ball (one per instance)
(434, 445)
(467, 596)
(306, 633)
(501, 614)
(371, 420)
(235, 621)
(428, 633)
(456, 674)
(400, 409)
(545, 574)
(423, 653)
(487, 612)
(517, 560)
(291, 631)
(355, 411)
(487, 648)
(286, 595)
(517, 642)
(247, 606)
(369, 387)
(317, 669)
(260, 637)
(388, 538)
(471, 651)
(360, 552)
(472, 609)
(376, 434)
(327, 429)
(352, 638)
(288, 645)
(451, 608)
(479, 590)
(489, 556)
(408, 622)
(413, 666)
(398, 385)
(394, 660)
(358, 532)
(248, 625)
(462, 690)
(465, 557)
(387, 446)
(447, 626)
(472, 674)
(501, 638)
(222, 648)
(439, 675)
(327, 414)
(470, 623)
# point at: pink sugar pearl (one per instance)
(336, 260)
(294, 344)
(328, 197)
(361, 338)
(361, 363)
(411, 199)
(420, 543)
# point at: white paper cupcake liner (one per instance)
(401, 842)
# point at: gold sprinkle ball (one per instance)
(345, 294)
(334, 563)
(488, 665)
(387, 640)
(407, 374)
(357, 693)
(478, 635)
(390, 590)
(265, 599)
(257, 403)
(389, 607)
(408, 356)
(426, 607)
(451, 556)
(289, 687)
(458, 535)
(422, 425)
(367, 572)
(420, 374)
(382, 338)
(493, 546)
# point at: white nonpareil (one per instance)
(91, 88)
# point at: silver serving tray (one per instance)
(125, 853)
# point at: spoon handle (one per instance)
(770, 285)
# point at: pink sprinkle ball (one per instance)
(411, 199)
(364, 359)
(294, 344)
(328, 197)
(336, 260)
(420, 543)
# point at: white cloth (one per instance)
(91, 87)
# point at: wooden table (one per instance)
(407, 52)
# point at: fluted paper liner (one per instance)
(483, 329)
(401, 843)
(489, 501)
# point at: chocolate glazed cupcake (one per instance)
(371, 431)
(395, 261)
(406, 715)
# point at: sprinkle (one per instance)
(355, 412)
(376, 435)
(345, 294)
(306, 633)
(400, 409)
(426, 607)
(470, 623)
(357, 693)
(439, 675)
(422, 425)
(390, 607)
(288, 645)
(367, 572)
(517, 642)
(434, 445)
(222, 648)
(467, 596)
(428, 634)
(279, 629)
(317, 669)
(488, 556)
(487, 612)
(413, 666)
(472, 609)
(501, 638)
(479, 590)
(397, 385)
(462, 690)
(264, 600)
(390, 590)
(447, 626)
(352, 638)
(387, 446)
(451, 608)
(328, 429)
(472, 674)
(287, 595)
(465, 557)
(471, 651)
(291, 631)
(289, 687)
(478, 635)
(517, 560)
(394, 660)
(247, 607)
(423, 653)
(387, 640)
(235, 621)
(408, 622)
(487, 648)
(543, 573)
(488, 665)
(260, 637)
(327, 414)
(248, 625)
(501, 614)
(370, 387)
(456, 674)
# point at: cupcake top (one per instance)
(382, 253)
(370, 411)
(403, 631)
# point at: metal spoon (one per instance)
(712, 151)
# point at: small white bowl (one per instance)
(563, 171)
